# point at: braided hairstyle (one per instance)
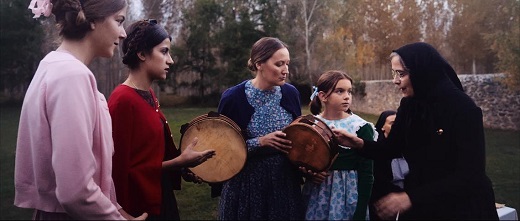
(142, 37)
(73, 17)
(327, 83)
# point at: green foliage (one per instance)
(20, 44)
(241, 30)
(219, 35)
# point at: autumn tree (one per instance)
(436, 21)
(471, 52)
(505, 40)
(202, 22)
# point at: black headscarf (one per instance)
(433, 81)
(381, 121)
(428, 69)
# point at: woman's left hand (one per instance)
(192, 158)
(276, 140)
(393, 203)
(189, 176)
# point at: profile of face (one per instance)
(107, 33)
(388, 125)
(274, 71)
(339, 99)
(157, 63)
(402, 79)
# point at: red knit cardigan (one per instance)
(139, 145)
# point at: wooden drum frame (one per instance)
(314, 145)
(218, 132)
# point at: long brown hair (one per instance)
(327, 83)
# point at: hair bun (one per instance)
(251, 66)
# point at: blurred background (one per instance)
(212, 39)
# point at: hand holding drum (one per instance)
(276, 140)
(316, 177)
(314, 146)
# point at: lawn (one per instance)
(503, 167)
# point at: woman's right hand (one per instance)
(277, 141)
(348, 139)
(316, 177)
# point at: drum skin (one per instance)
(221, 134)
(313, 143)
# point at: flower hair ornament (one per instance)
(314, 92)
(40, 7)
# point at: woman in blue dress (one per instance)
(269, 186)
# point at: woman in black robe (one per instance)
(439, 130)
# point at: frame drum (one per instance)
(218, 132)
(314, 145)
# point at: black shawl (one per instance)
(439, 130)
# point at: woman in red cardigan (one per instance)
(147, 165)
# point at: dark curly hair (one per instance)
(74, 16)
(142, 36)
(262, 50)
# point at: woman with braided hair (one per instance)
(147, 165)
(63, 166)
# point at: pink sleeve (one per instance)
(72, 109)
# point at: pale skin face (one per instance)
(404, 83)
(274, 71)
(338, 101)
(388, 125)
(157, 64)
(107, 34)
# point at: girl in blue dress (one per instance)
(343, 192)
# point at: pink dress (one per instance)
(64, 149)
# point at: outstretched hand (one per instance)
(347, 139)
(277, 141)
(192, 158)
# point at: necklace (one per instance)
(131, 82)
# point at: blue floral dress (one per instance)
(269, 186)
(337, 197)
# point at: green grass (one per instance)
(194, 200)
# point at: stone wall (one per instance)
(500, 106)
